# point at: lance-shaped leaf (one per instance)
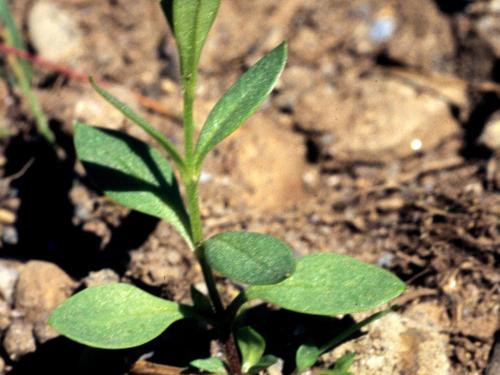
(190, 22)
(331, 284)
(114, 316)
(249, 258)
(241, 100)
(132, 173)
(140, 121)
(252, 346)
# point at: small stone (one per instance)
(10, 235)
(8, 279)
(491, 132)
(19, 340)
(5, 313)
(41, 287)
(398, 344)
(104, 276)
(54, 32)
(7, 217)
(44, 332)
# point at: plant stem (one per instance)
(197, 235)
(189, 84)
(190, 177)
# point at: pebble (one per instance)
(8, 280)
(490, 136)
(10, 235)
(104, 276)
(5, 313)
(44, 332)
(19, 340)
(54, 32)
(41, 287)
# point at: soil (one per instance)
(381, 141)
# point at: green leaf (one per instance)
(140, 121)
(201, 302)
(190, 22)
(212, 365)
(306, 356)
(343, 364)
(114, 316)
(249, 258)
(341, 367)
(241, 100)
(132, 173)
(263, 364)
(331, 284)
(351, 330)
(14, 37)
(252, 346)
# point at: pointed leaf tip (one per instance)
(241, 101)
(114, 316)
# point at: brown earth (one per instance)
(381, 141)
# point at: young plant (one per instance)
(139, 177)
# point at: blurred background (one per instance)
(381, 141)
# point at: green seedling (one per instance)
(138, 176)
(22, 72)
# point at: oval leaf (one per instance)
(249, 258)
(241, 100)
(114, 316)
(252, 346)
(331, 284)
(306, 356)
(212, 365)
(190, 22)
(132, 173)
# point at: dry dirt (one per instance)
(381, 141)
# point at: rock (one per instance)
(44, 332)
(3, 368)
(488, 28)
(104, 276)
(5, 313)
(423, 37)
(41, 287)
(53, 32)
(398, 344)
(375, 118)
(490, 136)
(8, 279)
(19, 340)
(269, 162)
(10, 235)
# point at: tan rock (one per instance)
(375, 118)
(397, 344)
(41, 287)
(269, 162)
(54, 32)
(19, 340)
